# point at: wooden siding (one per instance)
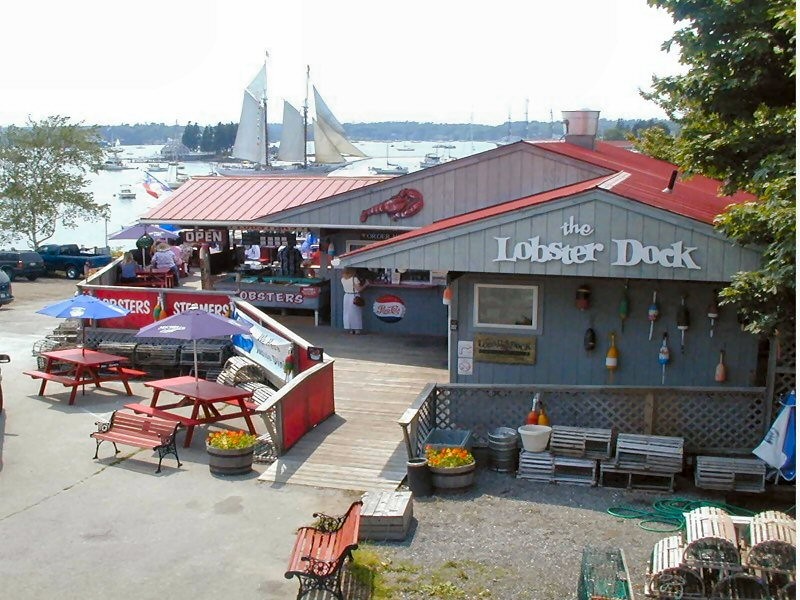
(376, 378)
(561, 358)
(472, 247)
(453, 188)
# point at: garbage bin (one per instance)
(419, 477)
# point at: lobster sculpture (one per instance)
(406, 203)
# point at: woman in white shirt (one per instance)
(351, 312)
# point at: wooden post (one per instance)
(649, 411)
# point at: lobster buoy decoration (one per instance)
(720, 374)
(612, 358)
(652, 314)
(447, 295)
(663, 358)
(683, 320)
(582, 297)
(713, 313)
(289, 366)
(589, 340)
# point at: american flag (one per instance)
(154, 187)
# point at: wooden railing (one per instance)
(718, 420)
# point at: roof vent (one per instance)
(581, 127)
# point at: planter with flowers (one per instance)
(451, 468)
(230, 452)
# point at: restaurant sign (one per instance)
(626, 252)
(516, 350)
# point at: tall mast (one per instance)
(264, 101)
(305, 120)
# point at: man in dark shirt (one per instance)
(290, 258)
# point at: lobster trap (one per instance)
(604, 575)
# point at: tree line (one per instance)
(219, 138)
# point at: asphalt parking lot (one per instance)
(74, 527)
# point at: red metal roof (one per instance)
(635, 176)
(240, 199)
(696, 198)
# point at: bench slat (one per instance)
(155, 412)
(67, 381)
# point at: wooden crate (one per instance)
(730, 474)
(536, 466)
(545, 467)
(385, 515)
(581, 442)
(575, 471)
(642, 453)
(613, 476)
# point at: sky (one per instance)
(442, 61)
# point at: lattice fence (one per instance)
(783, 370)
(713, 420)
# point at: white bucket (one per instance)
(535, 437)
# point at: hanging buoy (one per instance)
(720, 374)
(713, 313)
(612, 359)
(652, 314)
(589, 340)
(683, 320)
(447, 295)
(663, 358)
(582, 297)
(624, 307)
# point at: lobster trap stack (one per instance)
(572, 458)
(716, 559)
(645, 462)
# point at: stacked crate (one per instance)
(730, 474)
(643, 462)
(572, 458)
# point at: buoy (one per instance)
(663, 358)
(683, 320)
(713, 313)
(652, 314)
(589, 340)
(447, 295)
(720, 374)
(612, 359)
(583, 297)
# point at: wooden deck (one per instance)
(376, 377)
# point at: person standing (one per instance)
(351, 309)
(290, 258)
(178, 254)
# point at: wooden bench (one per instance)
(135, 430)
(320, 552)
(127, 371)
(163, 415)
(45, 377)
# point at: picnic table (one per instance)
(153, 277)
(203, 396)
(78, 367)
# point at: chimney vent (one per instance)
(671, 184)
(581, 127)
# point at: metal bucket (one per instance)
(503, 449)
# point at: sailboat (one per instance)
(252, 137)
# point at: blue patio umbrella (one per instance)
(779, 447)
(83, 307)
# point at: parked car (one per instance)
(5, 289)
(70, 259)
(22, 263)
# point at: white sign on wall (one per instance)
(624, 252)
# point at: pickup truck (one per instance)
(69, 259)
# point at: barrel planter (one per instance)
(237, 461)
(453, 478)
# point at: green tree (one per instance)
(191, 136)
(43, 181)
(736, 108)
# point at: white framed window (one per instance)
(506, 306)
(351, 245)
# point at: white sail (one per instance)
(251, 133)
(333, 130)
(293, 142)
(324, 148)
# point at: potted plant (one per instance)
(230, 452)
(451, 467)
